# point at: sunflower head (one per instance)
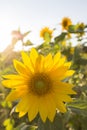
(46, 32)
(38, 85)
(66, 22)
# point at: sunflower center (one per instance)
(65, 23)
(40, 84)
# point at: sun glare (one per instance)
(5, 33)
(4, 40)
(6, 29)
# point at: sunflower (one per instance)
(38, 85)
(66, 22)
(46, 31)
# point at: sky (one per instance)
(33, 15)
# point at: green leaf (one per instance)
(61, 37)
(57, 124)
(27, 43)
(84, 123)
(79, 104)
(72, 29)
(76, 56)
(24, 126)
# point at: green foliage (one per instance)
(57, 124)
(61, 37)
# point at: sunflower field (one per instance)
(44, 87)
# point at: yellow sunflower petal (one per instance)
(13, 80)
(13, 83)
(69, 73)
(48, 62)
(43, 109)
(61, 107)
(32, 107)
(63, 88)
(33, 110)
(48, 59)
(39, 64)
(56, 74)
(57, 57)
(18, 93)
(68, 64)
(14, 76)
(22, 113)
(51, 108)
(61, 61)
(14, 95)
(27, 61)
(64, 98)
(24, 104)
(21, 69)
(33, 56)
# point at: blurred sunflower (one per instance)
(46, 31)
(66, 22)
(39, 85)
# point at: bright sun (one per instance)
(8, 25)
(5, 40)
(5, 34)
